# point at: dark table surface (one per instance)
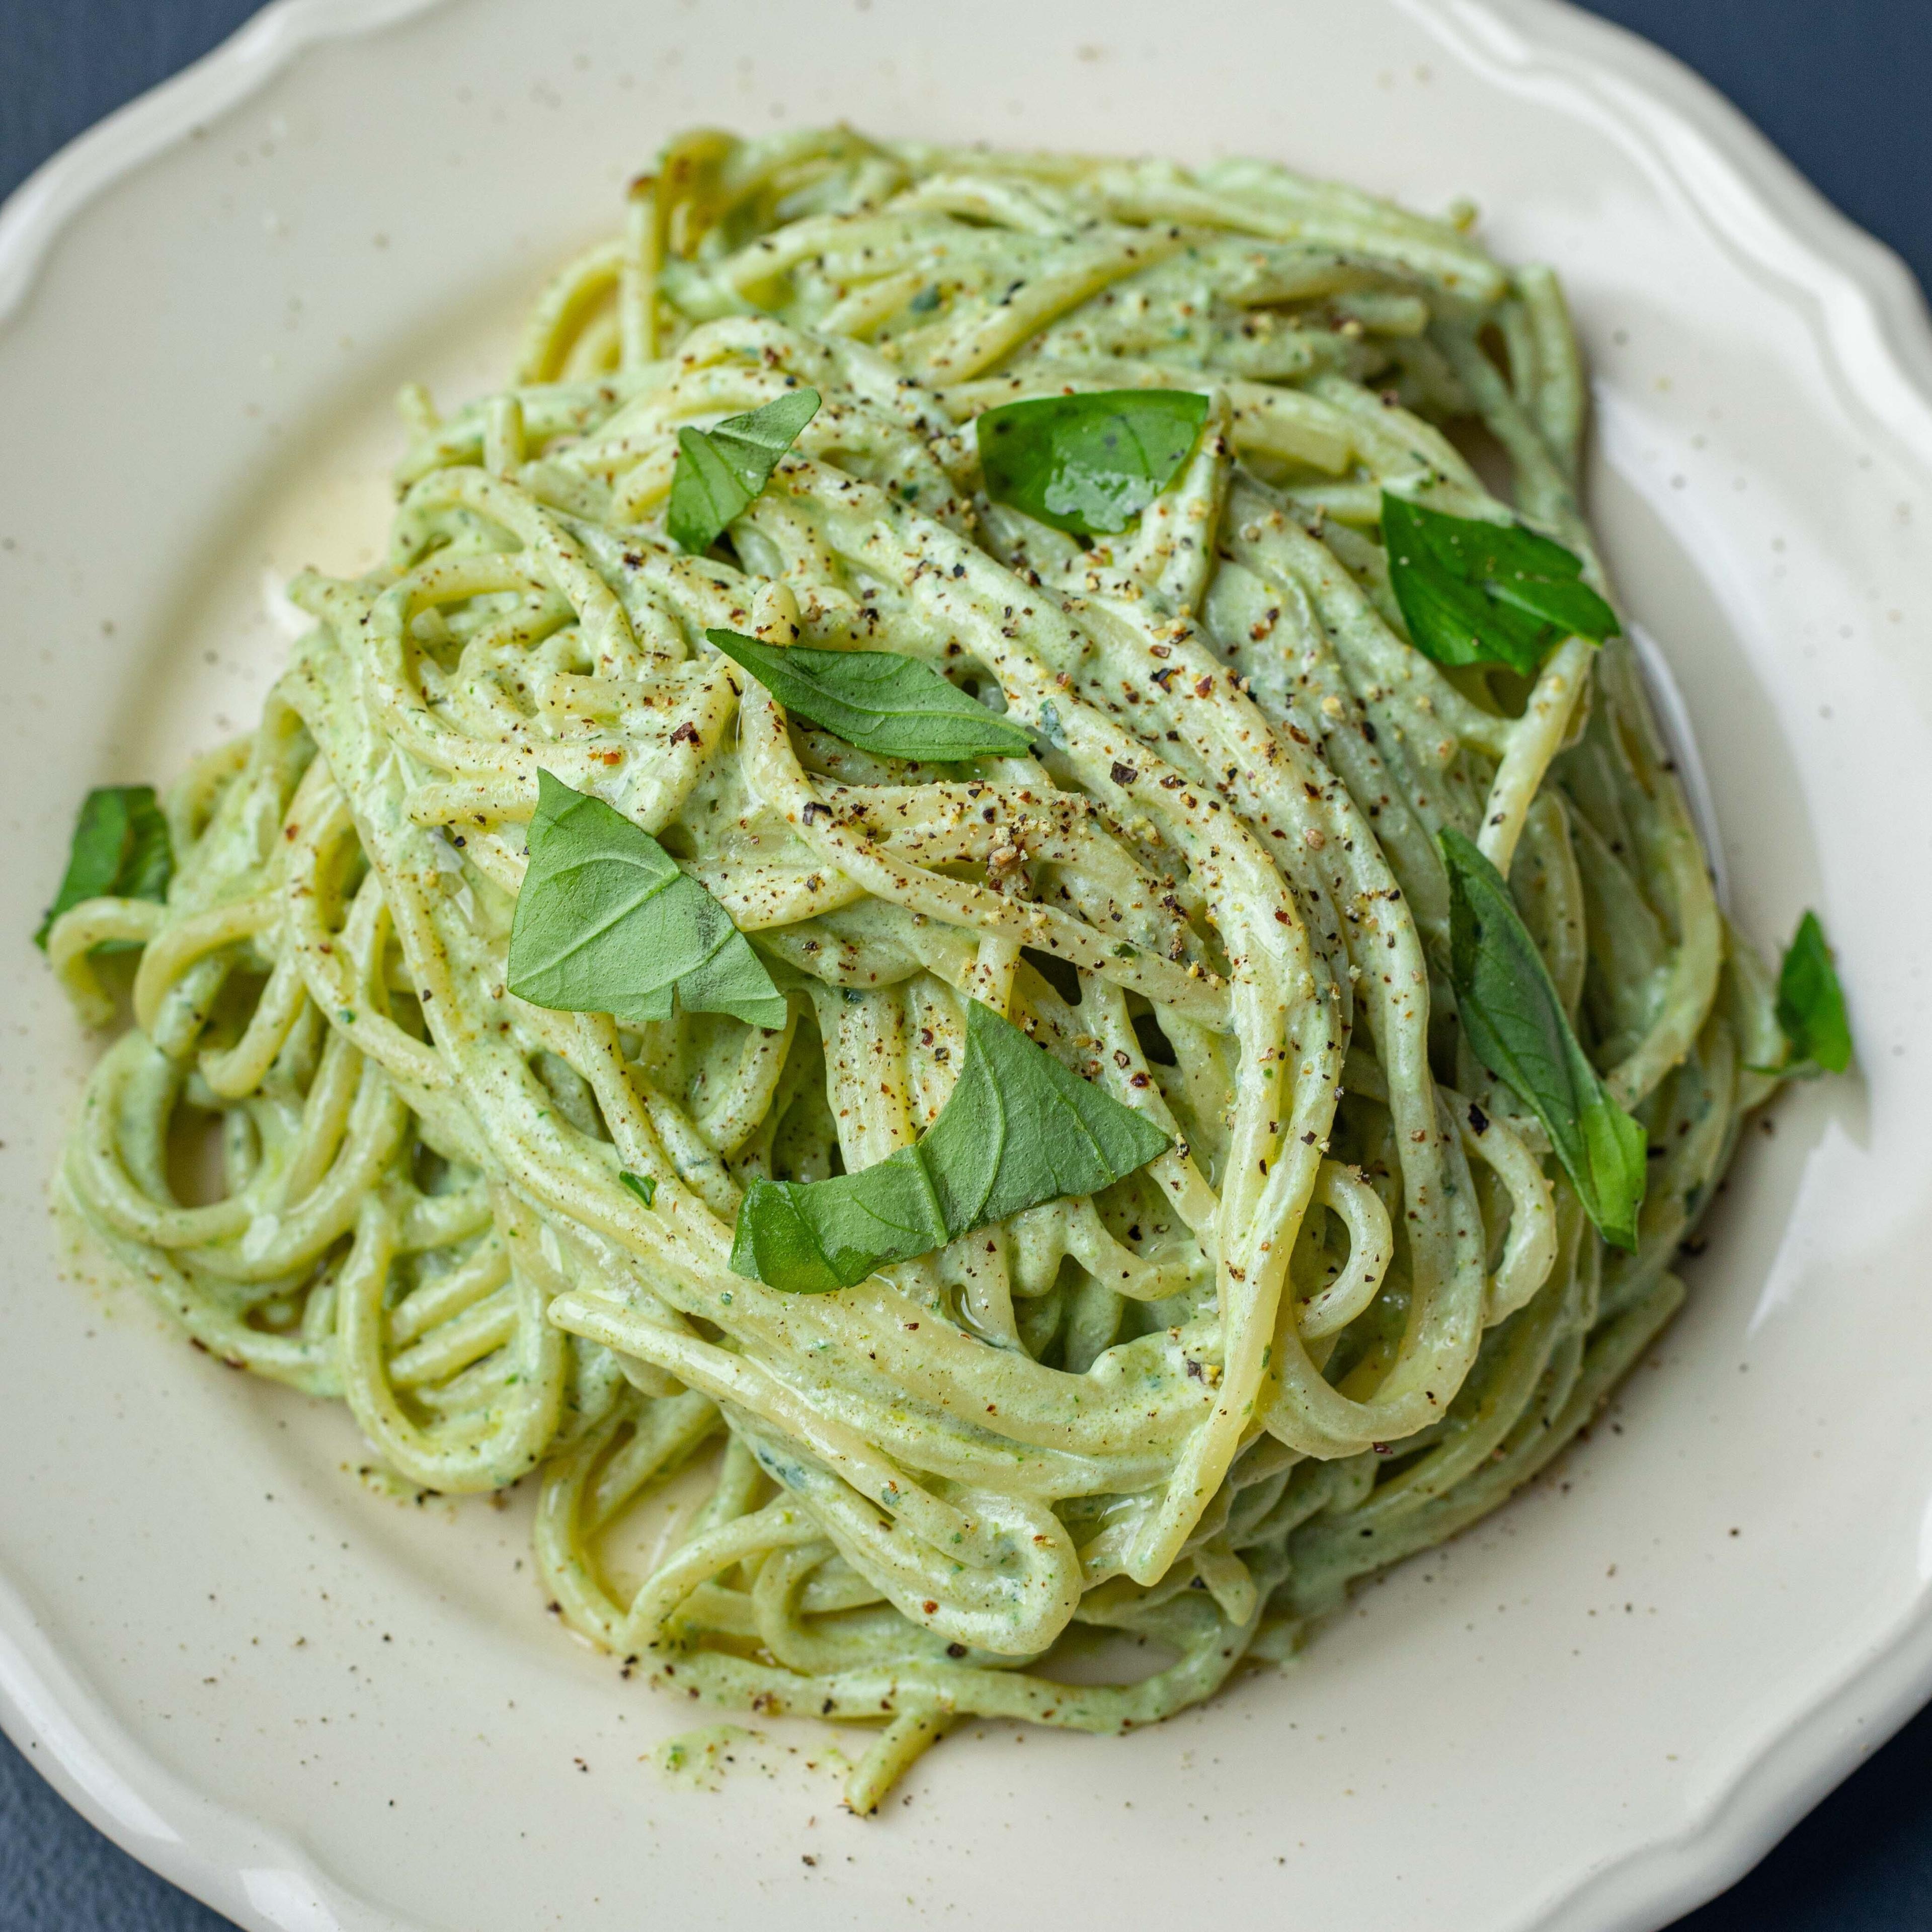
(1840, 86)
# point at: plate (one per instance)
(318, 1706)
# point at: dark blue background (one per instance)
(1842, 86)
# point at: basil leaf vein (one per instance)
(721, 470)
(120, 849)
(1087, 464)
(1811, 1004)
(607, 923)
(1017, 1129)
(1474, 593)
(880, 700)
(1515, 1026)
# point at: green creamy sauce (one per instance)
(1354, 1304)
(699, 1760)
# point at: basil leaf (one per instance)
(809, 1237)
(878, 701)
(606, 923)
(1018, 1128)
(721, 469)
(1515, 1026)
(642, 1185)
(1474, 592)
(1088, 464)
(120, 849)
(1811, 1004)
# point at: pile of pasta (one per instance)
(1354, 1305)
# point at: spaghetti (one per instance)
(1352, 1305)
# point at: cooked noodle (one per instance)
(1353, 1307)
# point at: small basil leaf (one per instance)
(879, 700)
(120, 849)
(1088, 464)
(1811, 1003)
(721, 469)
(606, 923)
(642, 1185)
(810, 1237)
(1474, 593)
(706, 494)
(1515, 1026)
(1018, 1128)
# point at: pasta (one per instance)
(1353, 1304)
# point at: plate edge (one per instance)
(42, 1702)
(61, 1725)
(1869, 318)
(231, 1862)
(32, 217)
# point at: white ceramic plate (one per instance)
(318, 1708)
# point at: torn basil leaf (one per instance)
(642, 1185)
(1018, 1128)
(721, 469)
(1087, 464)
(1473, 593)
(607, 923)
(1811, 1004)
(121, 850)
(1515, 1026)
(879, 700)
